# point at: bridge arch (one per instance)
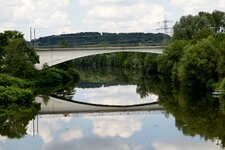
(58, 105)
(54, 56)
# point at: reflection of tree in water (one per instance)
(146, 83)
(196, 114)
(14, 118)
(63, 90)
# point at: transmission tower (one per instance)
(166, 29)
(33, 37)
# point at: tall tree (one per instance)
(188, 26)
(17, 58)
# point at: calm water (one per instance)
(183, 125)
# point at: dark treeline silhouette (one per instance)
(96, 38)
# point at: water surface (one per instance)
(187, 122)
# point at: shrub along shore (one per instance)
(18, 75)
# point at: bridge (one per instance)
(54, 56)
(59, 106)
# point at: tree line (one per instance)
(195, 57)
(102, 39)
(18, 75)
(195, 113)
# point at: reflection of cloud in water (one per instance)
(1, 148)
(114, 95)
(110, 132)
(2, 138)
(92, 144)
(197, 145)
(111, 126)
(47, 127)
(72, 134)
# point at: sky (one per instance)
(53, 17)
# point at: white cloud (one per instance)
(41, 14)
(193, 6)
(134, 16)
(66, 16)
(47, 127)
(99, 2)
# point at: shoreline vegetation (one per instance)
(18, 75)
(191, 66)
(96, 39)
(195, 57)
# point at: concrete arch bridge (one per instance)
(54, 56)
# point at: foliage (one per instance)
(17, 58)
(171, 56)
(104, 39)
(108, 76)
(63, 43)
(14, 118)
(136, 61)
(17, 64)
(52, 76)
(221, 86)
(196, 56)
(189, 27)
(7, 80)
(220, 53)
(198, 64)
(15, 94)
(195, 114)
(5, 39)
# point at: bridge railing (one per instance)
(98, 48)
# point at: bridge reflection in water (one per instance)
(57, 107)
(60, 106)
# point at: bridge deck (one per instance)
(53, 56)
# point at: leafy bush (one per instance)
(52, 76)
(7, 80)
(15, 94)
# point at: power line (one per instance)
(165, 27)
(33, 37)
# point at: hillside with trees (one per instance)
(102, 39)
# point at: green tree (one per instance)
(171, 57)
(188, 26)
(220, 51)
(198, 64)
(63, 43)
(14, 118)
(4, 41)
(19, 59)
(219, 21)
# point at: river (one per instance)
(188, 120)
